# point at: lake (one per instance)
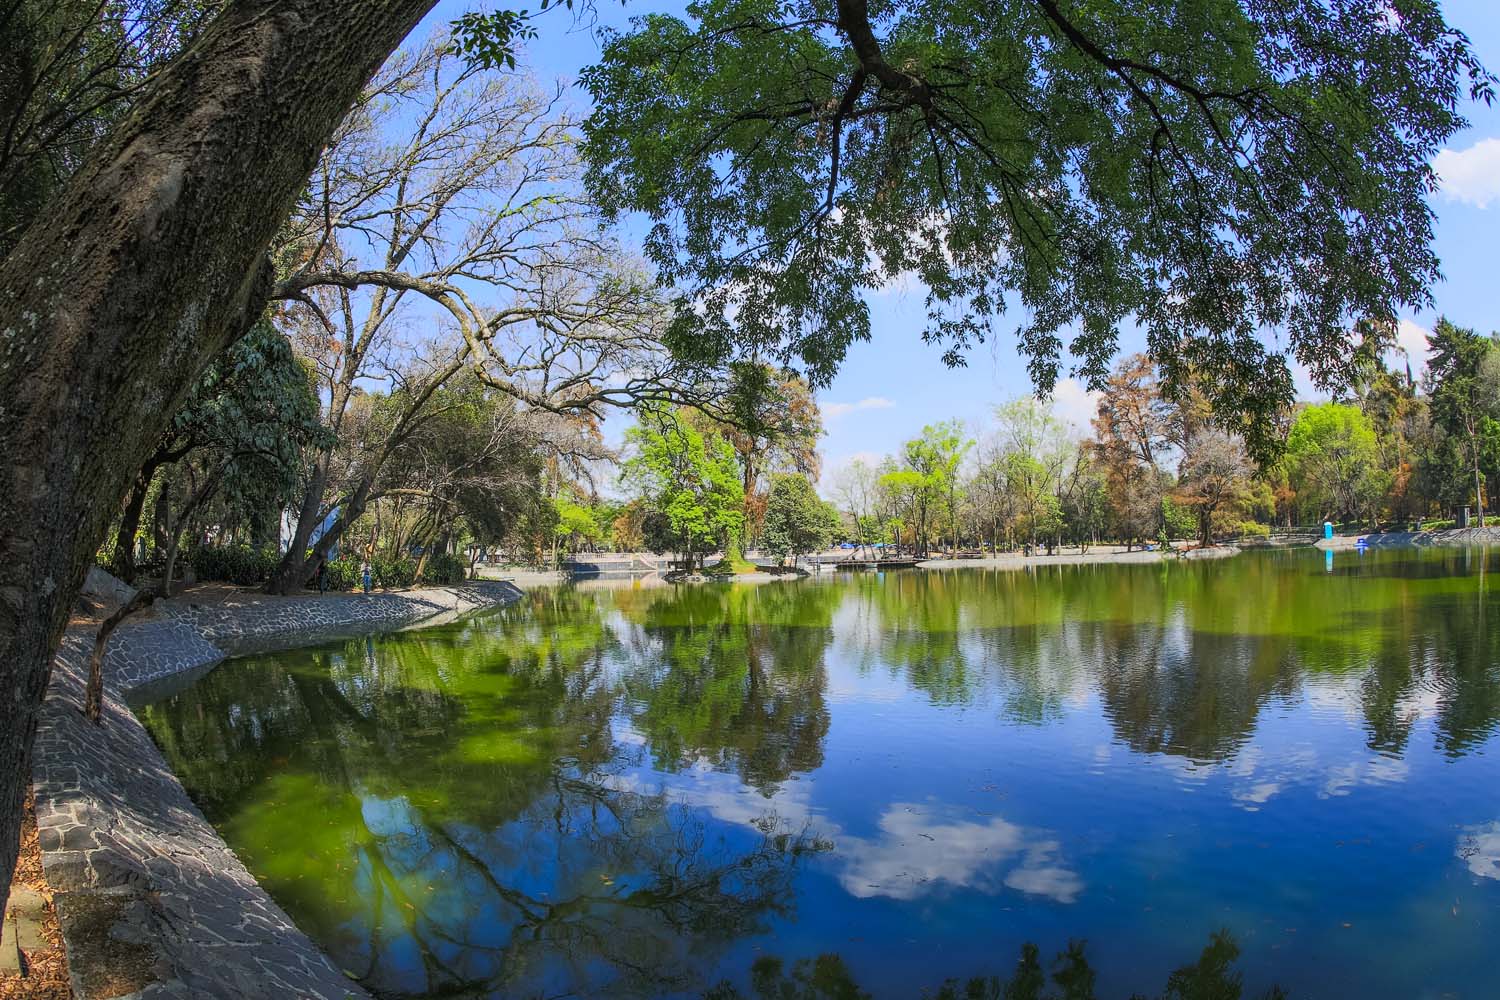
(1076, 781)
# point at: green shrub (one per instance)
(443, 568)
(237, 564)
(1178, 521)
(1253, 529)
(397, 572)
(343, 574)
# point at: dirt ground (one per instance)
(47, 969)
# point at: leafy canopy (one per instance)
(251, 413)
(1212, 170)
(797, 521)
(1463, 377)
(1333, 458)
(689, 480)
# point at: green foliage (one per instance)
(575, 521)
(393, 571)
(249, 417)
(1207, 168)
(1463, 371)
(475, 469)
(1332, 459)
(344, 573)
(441, 567)
(1036, 449)
(689, 480)
(797, 521)
(925, 483)
(237, 564)
(488, 39)
(246, 567)
(1178, 521)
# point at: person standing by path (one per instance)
(323, 576)
(366, 577)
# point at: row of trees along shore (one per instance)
(432, 232)
(1393, 452)
(479, 474)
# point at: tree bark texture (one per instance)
(121, 292)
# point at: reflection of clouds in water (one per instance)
(1255, 778)
(1252, 797)
(1479, 848)
(915, 850)
(1376, 771)
(723, 796)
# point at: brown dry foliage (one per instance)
(47, 971)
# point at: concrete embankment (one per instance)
(150, 900)
(1452, 538)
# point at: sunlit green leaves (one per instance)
(488, 40)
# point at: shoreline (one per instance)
(1447, 538)
(1014, 560)
(150, 900)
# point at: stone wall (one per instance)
(151, 901)
(1452, 538)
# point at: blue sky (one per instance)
(894, 384)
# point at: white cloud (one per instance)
(1412, 339)
(1073, 404)
(832, 411)
(1470, 175)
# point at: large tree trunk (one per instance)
(124, 565)
(293, 570)
(121, 292)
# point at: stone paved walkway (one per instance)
(152, 903)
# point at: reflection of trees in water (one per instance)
(1444, 659)
(591, 888)
(913, 621)
(456, 806)
(437, 714)
(1189, 693)
(733, 677)
(1069, 977)
(1184, 656)
(484, 759)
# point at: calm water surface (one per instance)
(920, 776)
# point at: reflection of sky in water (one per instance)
(1479, 847)
(915, 849)
(916, 846)
(640, 793)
